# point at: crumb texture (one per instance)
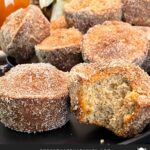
(107, 100)
(114, 96)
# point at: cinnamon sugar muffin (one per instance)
(34, 98)
(61, 48)
(137, 12)
(21, 31)
(114, 96)
(84, 14)
(114, 40)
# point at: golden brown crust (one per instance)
(22, 30)
(61, 48)
(136, 12)
(114, 40)
(138, 80)
(34, 98)
(87, 13)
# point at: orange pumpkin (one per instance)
(9, 6)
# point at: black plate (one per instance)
(72, 133)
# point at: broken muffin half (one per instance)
(115, 96)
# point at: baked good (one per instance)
(21, 31)
(114, 96)
(85, 14)
(58, 23)
(146, 32)
(136, 12)
(61, 48)
(34, 98)
(114, 40)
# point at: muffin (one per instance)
(61, 48)
(136, 12)
(115, 96)
(85, 14)
(34, 98)
(21, 31)
(114, 40)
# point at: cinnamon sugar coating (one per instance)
(34, 98)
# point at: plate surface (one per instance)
(72, 133)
